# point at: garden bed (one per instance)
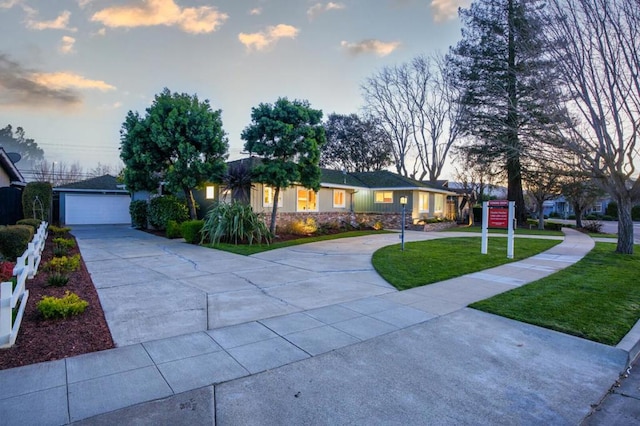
(42, 340)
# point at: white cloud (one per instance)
(101, 32)
(320, 8)
(68, 80)
(83, 3)
(66, 45)
(377, 47)
(445, 10)
(255, 11)
(265, 39)
(60, 23)
(195, 20)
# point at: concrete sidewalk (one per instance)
(334, 344)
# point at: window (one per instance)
(267, 196)
(596, 208)
(210, 193)
(423, 202)
(384, 196)
(439, 204)
(339, 199)
(307, 200)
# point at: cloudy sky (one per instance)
(70, 70)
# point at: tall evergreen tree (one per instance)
(509, 94)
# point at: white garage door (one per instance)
(96, 209)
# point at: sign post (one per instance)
(498, 214)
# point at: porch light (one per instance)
(403, 200)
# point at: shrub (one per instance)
(612, 210)
(14, 240)
(173, 229)
(138, 212)
(635, 212)
(36, 200)
(165, 208)
(234, 223)
(6, 270)
(378, 226)
(57, 280)
(67, 243)
(592, 226)
(34, 223)
(191, 231)
(550, 226)
(607, 217)
(58, 231)
(307, 226)
(64, 264)
(61, 307)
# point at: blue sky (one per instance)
(70, 70)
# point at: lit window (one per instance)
(267, 196)
(210, 193)
(423, 202)
(384, 196)
(339, 199)
(307, 200)
(439, 204)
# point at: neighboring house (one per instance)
(11, 184)
(351, 198)
(560, 207)
(96, 201)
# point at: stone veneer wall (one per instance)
(388, 220)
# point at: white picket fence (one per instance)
(26, 268)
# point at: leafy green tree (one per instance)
(16, 141)
(508, 84)
(287, 137)
(179, 141)
(355, 144)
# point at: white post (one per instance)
(6, 290)
(31, 260)
(485, 227)
(512, 217)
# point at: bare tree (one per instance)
(542, 184)
(596, 44)
(418, 108)
(581, 192)
(58, 173)
(473, 178)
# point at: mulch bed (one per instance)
(42, 340)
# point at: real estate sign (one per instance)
(498, 214)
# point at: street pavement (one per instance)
(309, 335)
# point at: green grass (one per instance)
(598, 298)
(426, 262)
(518, 231)
(247, 250)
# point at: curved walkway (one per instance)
(189, 320)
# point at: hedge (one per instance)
(14, 240)
(35, 210)
(164, 208)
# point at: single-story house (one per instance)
(11, 184)
(96, 201)
(348, 197)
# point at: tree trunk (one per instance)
(191, 204)
(274, 211)
(578, 211)
(541, 216)
(625, 227)
(514, 168)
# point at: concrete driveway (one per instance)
(152, 287)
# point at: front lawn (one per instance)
(598, 298)
(426, 262)
(247, 250)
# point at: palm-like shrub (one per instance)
(234, 223)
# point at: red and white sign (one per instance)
(498, 214)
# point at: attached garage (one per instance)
(93, 209)
(96, 201)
